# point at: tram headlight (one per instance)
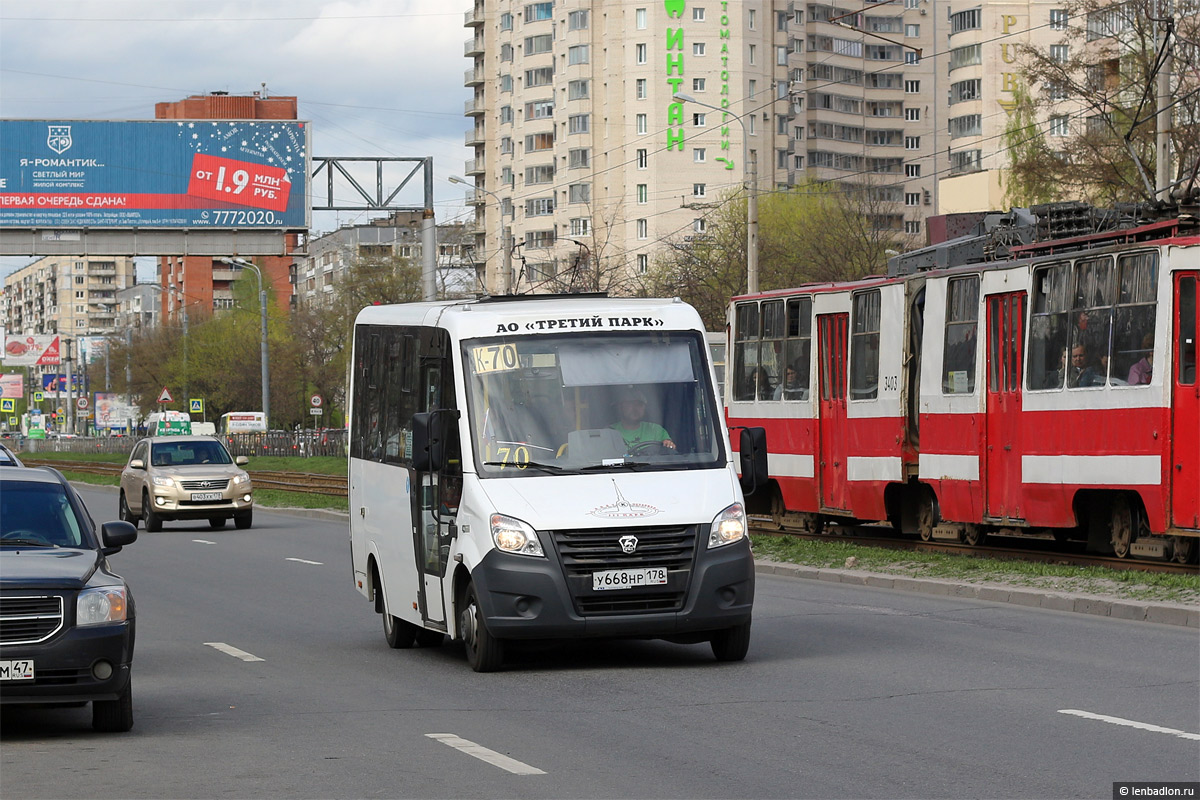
(514, 536)
(728, 527)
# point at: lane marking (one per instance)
(483, 754)
(305, 561)
(233, 651)
(1129, 723)
(202, 541)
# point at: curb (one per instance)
(1160, 613)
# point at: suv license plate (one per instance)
(628, 578)
(21, 670)
(201, 497)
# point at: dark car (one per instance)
(8, 458)
(66, 619)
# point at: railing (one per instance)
(304, 444)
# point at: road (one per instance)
(847, 692)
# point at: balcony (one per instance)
(474, 197)
(475, 166)
(474, 107)
(474, 138)
(473, 76)
(473, 18)
(473, 47)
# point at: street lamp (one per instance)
(262, 301)
(751, 196)
(506, 277)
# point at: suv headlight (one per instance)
(241, 477)
(166, 482)
(513, 536)
(101, 605)
(728, 527)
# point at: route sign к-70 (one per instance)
(154, 174)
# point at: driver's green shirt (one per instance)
(645, 432)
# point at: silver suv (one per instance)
(185, 477)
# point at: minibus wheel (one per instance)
(731, 644)
(485, 652)
(399, 634)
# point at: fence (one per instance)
(304, 444)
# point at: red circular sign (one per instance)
(316, 401)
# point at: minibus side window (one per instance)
(962, 334)
(864, 346)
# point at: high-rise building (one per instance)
(74, 296)
(581, 139)
(200, 285)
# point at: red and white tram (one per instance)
(1055, 391)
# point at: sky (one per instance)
(374, 77)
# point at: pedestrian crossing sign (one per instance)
(196, 405)
(8, 405)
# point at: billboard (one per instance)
(12, 385)
(114, 410)
(217, 174)
(31, 350)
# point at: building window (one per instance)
(506, 83)
(639, 17)
(698, 14)
(540, 174)
(535, 45)
(639, 53)
(912, 115)
(968, 125)
(1059, 125)
(578, 123)
(912, 198)
(506, 22)
(1058, 19)
(539, 141)
(539, 109)
(912, 30)
(1056, 90)
(539, 239)
(751, 89)
(542, 76)
(506, 52)
(643, 263)
(698, 120)
(579, 193)
(643, 160)
(579, 159)
(580, 226)
(911, 58)
(912, 170)
(751, 19)
(641, 122)
(698, 49)
(506, 146)
(539, 11)
(698, 225)
(643, 194)
(698, 190)
(966, 21)
(912, 142)
(643, 229)
(1060, 53)
(751, 54)
(577, 20)
(698, 155)
(539, 207)
(577, 90)
(912, 87)
(640, 88)
(577, 54)
(697, 84)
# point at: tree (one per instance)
(1097, 91)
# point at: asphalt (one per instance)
(1097, 605)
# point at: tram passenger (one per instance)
(1081, 372)
(763, 390)
(790, 389)
(632, 425)
(1140, 372)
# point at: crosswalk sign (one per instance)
(39, 397)
(8, 405)
(196, 405)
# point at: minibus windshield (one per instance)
(587, 402)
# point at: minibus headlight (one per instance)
(728, 527)
(100, 605)
(513, 536)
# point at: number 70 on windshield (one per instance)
(494, 358)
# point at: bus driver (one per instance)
(631, 410)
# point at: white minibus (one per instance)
(547, 467)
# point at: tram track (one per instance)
(1013, 548)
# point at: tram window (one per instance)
(1048, 328)
(1187, 332)
(797, 350)
(962, 334)
(1133, 334)
(745, 350)
(1091, 322)
(774, 327)
(1016, 329)
(864, 346)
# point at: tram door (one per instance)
(832, 341)
(1006, 338)
(1185, 407)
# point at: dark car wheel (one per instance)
(114, 716)
(153, 521)
(244, 520)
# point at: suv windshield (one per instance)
(591, 401)
(37, 514)
(174, 454)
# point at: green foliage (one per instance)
(1031, 178)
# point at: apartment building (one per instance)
(581, 138)
(73, 296)
(395, 236)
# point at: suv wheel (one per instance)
(244, 520)
(153, 521)
(114, 716)
(123, 512)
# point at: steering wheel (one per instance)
(24, 534)
(649, 449)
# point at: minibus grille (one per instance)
(589, 550)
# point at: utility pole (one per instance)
(1162, 150)
(70, 407)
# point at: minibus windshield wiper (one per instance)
(619, 465)
(525, 465)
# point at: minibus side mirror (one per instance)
(431, 430)
(752, 449)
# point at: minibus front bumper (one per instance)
(525, 597)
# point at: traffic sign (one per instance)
(316, 401)
(14, 421)
(81, 403)
(165, 396)
(39, 397)
(8, 405)
(316, 412)
(196, 405)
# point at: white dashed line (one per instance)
(233, 651)
(305, 561)
(483, 754)
(1129, 723)
(202, 541)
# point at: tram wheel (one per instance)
(778, 510)
(925, 516)
(974, 535)
(1122, 527)
(1183, 549)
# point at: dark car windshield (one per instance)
(173, 454)
(38, 514)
